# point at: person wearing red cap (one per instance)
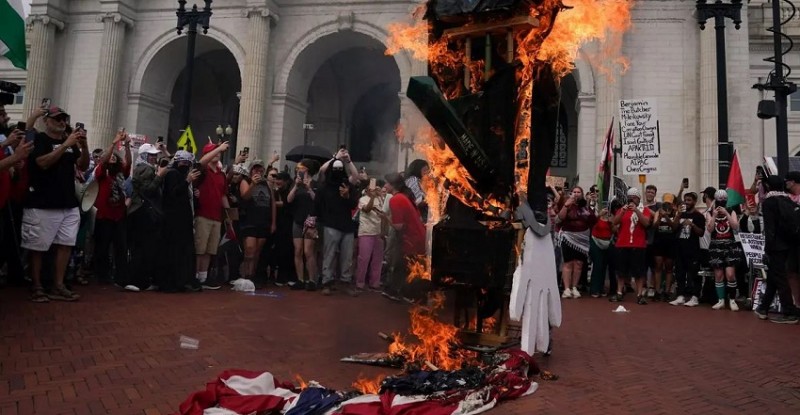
(212, 201)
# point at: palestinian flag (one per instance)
(12, 33)
(735, 185)
(604, 170)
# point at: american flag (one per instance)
(243, 392)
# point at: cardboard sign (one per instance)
(641, 144)
(556, 181)
(753, 246)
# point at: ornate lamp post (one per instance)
(407, 146)
(191, 18)
(720, 10)
(306, 128)
(776, 81)
(224, 133)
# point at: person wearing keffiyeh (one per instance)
(110, 225)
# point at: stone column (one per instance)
(608, 88)
(40, 61)
(588, 149)
(109, 68)
(707, 141)
(253, 105)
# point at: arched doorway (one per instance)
(348, 89)
(156, 92)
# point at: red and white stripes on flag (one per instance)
(242, 392)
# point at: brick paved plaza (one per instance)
(118, 353)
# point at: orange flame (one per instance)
(369, 386)
(303, 384)
(419, 268)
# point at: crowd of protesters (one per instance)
(171, 223)
(679, 251)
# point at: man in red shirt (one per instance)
(109, 229)
(407, 222)
(208, 213)
(632, 244)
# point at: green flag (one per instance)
(12, 33)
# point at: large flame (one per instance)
(369, 386)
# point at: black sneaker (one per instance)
(615, 298)
(311, 286)
(641, 301)
(297, 285)
(761, 313)
(784, 319)
(665, 297)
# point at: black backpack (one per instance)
(789, 219)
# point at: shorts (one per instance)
(297, 232)
(42, 228)
(207, 234)
(258, 232)
(724, 253)
(569, 253)
(631, 262)
(664, 249)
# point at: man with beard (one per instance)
(690, 226)
(144, 219)
(334, 209)
(177, 252)
(109, 227)
(51, 215)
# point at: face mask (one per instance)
(183, 169)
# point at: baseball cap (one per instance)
(209, 148)
(148, 148)
(257, 162)
(55, 112)
(793, 176)
(337, 164)
(633, 191)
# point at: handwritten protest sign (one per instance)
(556, 181)
(753, 246)
(641, 146)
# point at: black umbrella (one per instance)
(318, 153)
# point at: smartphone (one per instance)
(760, 172)
(80, 126)
(46, 103)
(372, 184)
(121, 129)
(22, 126)
(342, 147)
(302, 175)
(246, 150)
(164, 162)
(160, 139)
(685, 182)
(196, 166)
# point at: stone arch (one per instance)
(584, 74)
(150, 91)
(375, 32)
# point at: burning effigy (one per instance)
(492, 100)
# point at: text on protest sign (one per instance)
(639, 136)
(753, 246)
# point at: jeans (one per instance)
(777, 282)
(370, 260)
(602, 263)
(337, 241)
(687, 267)
(108, 233)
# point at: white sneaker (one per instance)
(132, 288)
(651, 293)
(152, 287)
(693, 302)
(733, 305)
(567, 293)
(719, 305)
(678, 301)
(575, 293)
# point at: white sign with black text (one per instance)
(639, 136)
(753, 246)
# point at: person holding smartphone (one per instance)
(260, 212)
(631, 245)
(144, 218)
(724, 251)
(304, 233)
(51, 216)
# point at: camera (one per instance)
(7, 92)
(581, 203)
(164, 162)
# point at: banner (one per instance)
(753, 246)
(639, 136)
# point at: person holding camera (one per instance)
(260, 211)
(145, 217)
(576, 220)
(663, 246)
(304, 232)
(51, 215)
(631, 246)
(724, 252)
(334, 207)
(689, 227)
(212, 201)
(109, 228)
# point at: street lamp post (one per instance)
(407, 146)
(191, 18)
(225, 134)
(720, 10)
(776, 81)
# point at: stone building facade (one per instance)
(269, 67)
